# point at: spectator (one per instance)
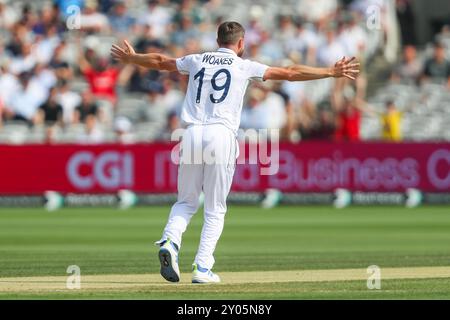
(24, 60)
(68, 100)
(191, 9)
(317, 10)
(271, 49)
(208, 36)
(51, 111)
(332, 50)
(352, 36)
(288, 131)
(254, 52)
(19, 35)
(28, 18)
(137, 78)
(157, 17)
(92, 133)
(8, 16)
(48, 19)
(157, 110)
(251, 115)
(26, 100)
(87, 107)
(106, 6)
(45, 45)
(185, 31)
(303, 46)
(123, 129)
(324, 127)
(438, 67)
(44, 76)
(60, 62)
(92, 20)
(9, 85)
(444, 35)
(265, 110)
(286, 29)
(391, 123)
(253, 32)
(173, 123)
(102, 77)
(410, 68)
(349, 120)
(172, 97)
(120, 21)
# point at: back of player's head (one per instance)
(229, 33)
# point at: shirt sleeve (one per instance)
(256, 70)
(184, 64)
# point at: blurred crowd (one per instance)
(56, 73)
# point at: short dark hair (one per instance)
(229, 32)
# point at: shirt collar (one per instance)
(226, 50)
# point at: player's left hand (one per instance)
(124, 54)
(348, 68)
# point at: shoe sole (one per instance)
(203, 281)
(196, 281)
(167, 271)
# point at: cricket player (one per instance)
(211, 115)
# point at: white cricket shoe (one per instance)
(203, 275)
(168, 257)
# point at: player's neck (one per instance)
(232, 48)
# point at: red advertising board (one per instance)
(304, 167)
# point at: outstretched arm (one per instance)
(343, 68)
(154, 61)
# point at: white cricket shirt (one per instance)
(217, 84)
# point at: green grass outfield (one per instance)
(36, 243)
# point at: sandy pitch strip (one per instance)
(136, 281)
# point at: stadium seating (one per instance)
(426, 107)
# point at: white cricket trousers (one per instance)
(207, 162)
